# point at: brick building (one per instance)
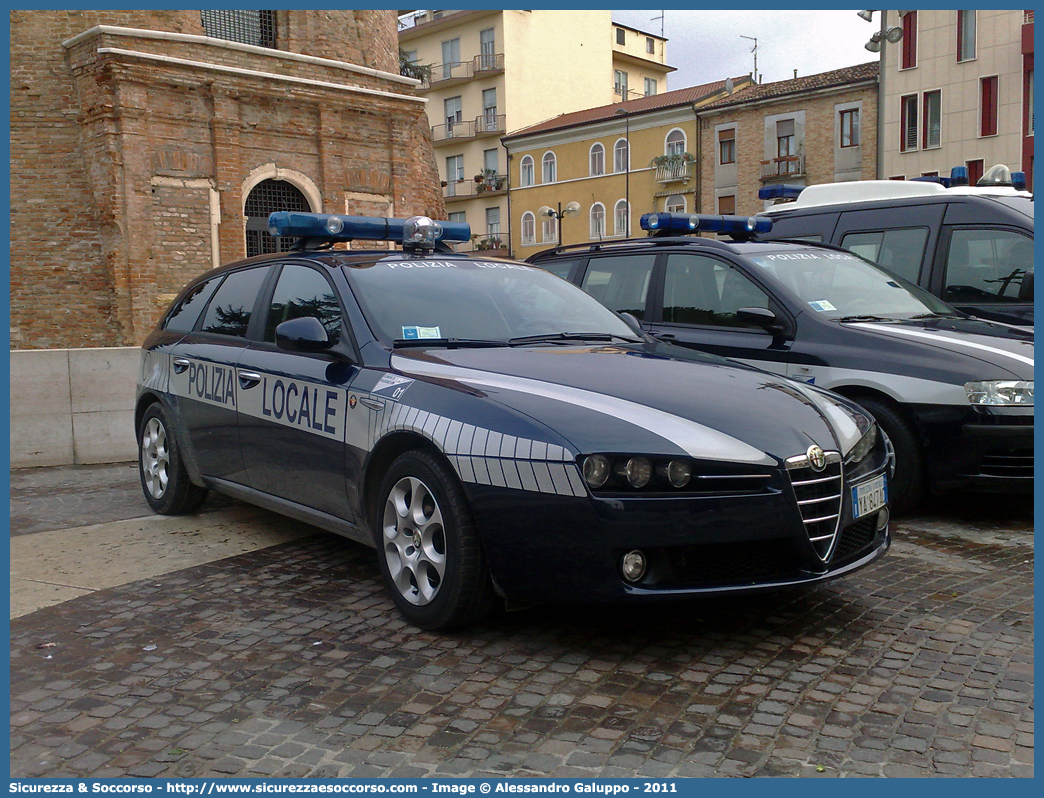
(148, 146)
(813, 129)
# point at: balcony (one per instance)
(453, 131)
(469, 189)
(674, 173)
(455, 72)
(490, 124)
(782, 168)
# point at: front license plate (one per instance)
(869, 496)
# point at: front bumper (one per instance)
(986, 449)
(569, 550)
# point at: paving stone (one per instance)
(882, 674)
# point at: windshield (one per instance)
(840, 285)
(488, 302)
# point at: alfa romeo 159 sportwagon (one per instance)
(494, 432)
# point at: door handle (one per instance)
(665, 336)
(180, 364)
(248, 379)
(370, 402)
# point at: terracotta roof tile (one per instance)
(654, 102)
(782, 88)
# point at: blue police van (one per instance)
(494, 432)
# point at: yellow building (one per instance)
(615, 161)
(496, 71)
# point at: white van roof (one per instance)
(868, 190)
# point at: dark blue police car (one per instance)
(494, 432)
(953, 394)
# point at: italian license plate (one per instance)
(869, 496)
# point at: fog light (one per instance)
(638, 471)
(633, 566)
(596, 470)
(882, 520)
(679, 473)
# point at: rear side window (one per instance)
(563, 268)
(987, 265)
(620, 283)
(230, 309)
(182, 318)
(898, 250)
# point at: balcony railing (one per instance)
(453, 130)
(459, 71)
(467, 189)
(489, 123)
(674, 173)
(787, 166)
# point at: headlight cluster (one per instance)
(1000, 392)
(863, 448)
(636, 472)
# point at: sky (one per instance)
(706, 46)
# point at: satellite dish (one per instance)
(729, 86)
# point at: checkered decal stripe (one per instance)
(486, 457)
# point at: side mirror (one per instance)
(305, 334)
(632, 322)
(760, 317)
(1026, 289)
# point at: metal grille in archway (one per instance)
(247, 27)
(267, 197)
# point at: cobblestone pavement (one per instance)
(292, 662)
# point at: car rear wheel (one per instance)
(164, 479)
(906, 487)
(428, 547)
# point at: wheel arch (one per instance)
(384, 454)
(149, 398)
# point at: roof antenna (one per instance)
(653, 19)
(754, 74)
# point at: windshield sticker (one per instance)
(392, 385)
(821, 305)
(414, 333)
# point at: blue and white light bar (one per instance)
(415, 231)
(780, 192)
(705, 223)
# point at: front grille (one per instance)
(1015, 464)
(818, 495)
(855, 539)
(724, 564)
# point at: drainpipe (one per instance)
(507, 183)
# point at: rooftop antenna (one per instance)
(754, 50)
(653, 19)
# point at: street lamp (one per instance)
(627, 174)
(892, 35)
(572, 209)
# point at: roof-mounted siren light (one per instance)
(417, 232)
(943, 181)
(996, 175)
(735, 226)
(780, 192)
(958, 176)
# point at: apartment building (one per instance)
(496, 71)
(610, 164)
(813, 129)
(957, 89)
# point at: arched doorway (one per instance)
(265, 198)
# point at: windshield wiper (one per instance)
(522, 340)
(447, 343)
(939, 316)
(865, 318)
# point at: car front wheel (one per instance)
(428, 547)
(164, 479)
(906, 487)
